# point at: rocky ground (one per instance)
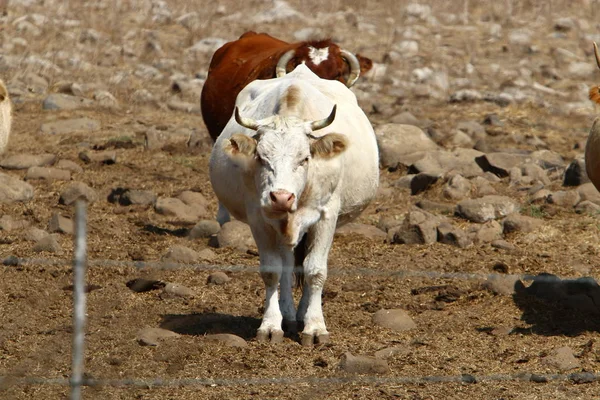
(475, 265)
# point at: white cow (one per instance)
(5, 117)
(286, 171)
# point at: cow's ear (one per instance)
(241, 145)
(365, 64)
(328, 146)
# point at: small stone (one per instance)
(367, 231)
(61, 101)
(137, 197)
(153, 336)
(562, 359)
(457, 188)
(583, 377)
(402, 144)
(226, 339)
(14, 190)
(421, 182)
(235, 234)
(35, 234)
(70, 126)
(48, 244)
(48, 174)
(391, 351)
(486, 208)
(501, 284)
(500, 163)
(520, 223)
(217, 278)
(61, 224)
(25, 161)
(107, 157)
(396, 319)
(433, 206)
(77, 191)
(204, 229)
(140, 285)
(575, 174)
(8, 223)
(178, 290)
(418, 227)
(181, 254)
(449, 234)
(587, 207)
(176, 208)
(503, 245)
(564, 198)
(69, 166)
(363, 364)
(588, 192)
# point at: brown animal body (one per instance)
(261, 56)
(592, 147)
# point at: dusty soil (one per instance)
(453, 337)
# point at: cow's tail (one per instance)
(299, 255)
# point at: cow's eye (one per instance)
(304, 162)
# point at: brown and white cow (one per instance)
(5, 117)
(297, 159)
(261, 56)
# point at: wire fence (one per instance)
(78, 379)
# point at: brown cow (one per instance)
(261, 56)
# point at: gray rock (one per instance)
(540, 196)
(363, 364)
(418, 227)
(482, 186)
(589, 192)
(501, 284)
(575, 174)
(35, 234)
(587, 207)
(449, 234)
(181, 254)
(367, 231)
(503, 245)
(137, 197)
(70, 126)
(474, 129)
(387, 222)
(277, 11)
(581, 70)
(486, 232)
(486, 208)
(395, 319)
(195, 199)
(217, 278)
(25, 161)
(226, 339)
(69, 166)
(457, 188)
(564, 198)
(235, 234)
(61, 224)
(402, 144)
(61, 101)
(500, 163)
(548, 159)
(405, 118)
(176, 208)
(156, 139)
(101, 157)
(77, 191)
(204, 229)
(421, 182)
(433, 206)
(391, 351)
(520, 223)
(14, 190)
(48, 173)
(153, 336)
(178, 105)
(492, 120)
(461, 161)
(465, 95)
(459, 139)
(562, 359)
(47, 244)
(535, 172)
(178, 290)
(8, 223)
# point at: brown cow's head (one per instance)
(327, 60)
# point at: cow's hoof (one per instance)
(276, 336)
(308, 340)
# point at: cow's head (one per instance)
(327, 60)
(278, 157)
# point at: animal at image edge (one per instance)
(260, 56)
(592, 147)
(297, 159)
(5, 117)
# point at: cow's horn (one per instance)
(245, 122)
(324, 123)
(354, 66)
(281, 69)
(596, 54)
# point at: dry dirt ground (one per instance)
(452, 337)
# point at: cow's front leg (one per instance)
(286, 298)
(270, 272)
(320, 238)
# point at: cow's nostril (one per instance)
(273, 197)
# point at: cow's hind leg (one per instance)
(223, 215)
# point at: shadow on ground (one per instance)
(553, 306)
(211, 323)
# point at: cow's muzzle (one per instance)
(281, 201)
